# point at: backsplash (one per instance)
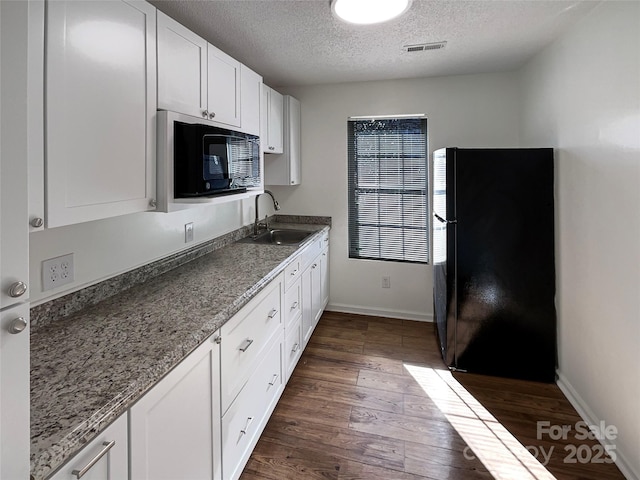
(69, 304)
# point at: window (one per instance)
(388, 189)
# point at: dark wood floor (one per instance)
(371, 399)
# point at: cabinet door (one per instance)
(175, 427)
(276, 119)
(292, 347)
(250, 97)
(264, 118)
(14, 242)
(285, 169)
(324, 275)
(14, 392)
(316, 289)
(224, 87)
(293, 132)
(182, 68)
(101, 103)
(307, 308)
(14, 232)
(272, 120)
(110, 447)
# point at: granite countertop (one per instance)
(89, 368)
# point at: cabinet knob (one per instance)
(205, 113)
(17, 289)
(37, 222)
(212, 115)
(17, 325)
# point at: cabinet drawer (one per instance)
(292, 273)
(243, 423)
(245, 338)
(293, 347)
(292, 304)
(113, 460)
(313, 250)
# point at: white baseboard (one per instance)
(591, 419)
(380, 312)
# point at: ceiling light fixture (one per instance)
(367, 12)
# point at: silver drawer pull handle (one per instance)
(294, 272)
(294, 306)
(295, 348)
(272, 313)
(246, 427)
(273, 381)
(107, 446)
(246, 345)
(314, 265)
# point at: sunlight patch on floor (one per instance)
(488, 441)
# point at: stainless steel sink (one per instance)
(279, 236)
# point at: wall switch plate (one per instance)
(188, 232)
(386, 282)
(57, 272)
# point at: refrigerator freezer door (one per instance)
(504, 252)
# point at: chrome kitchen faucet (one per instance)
(256, 223)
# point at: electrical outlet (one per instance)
(188, 232)
(57, 272)
(386, 282)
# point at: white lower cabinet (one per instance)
(175, 427)
(293, 346)
(247, 416)
(105, 458)
(315, 285)
(292, 324)
(245, 339)
(203, 419)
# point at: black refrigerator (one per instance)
(493, 259)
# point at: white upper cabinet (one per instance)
(272, 120)
(194, 77)
(250, 95)
(224, 87)
(285, 169)
(100, 109)
(182, 68)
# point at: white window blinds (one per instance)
(388, 188)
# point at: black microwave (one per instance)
(209, 160)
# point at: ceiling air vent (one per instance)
(424, 46)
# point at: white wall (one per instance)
(582, 96)
(105, 248)
(465, 111)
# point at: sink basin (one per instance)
(280, 236)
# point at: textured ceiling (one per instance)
(300, 42)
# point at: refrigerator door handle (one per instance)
(439, 218)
